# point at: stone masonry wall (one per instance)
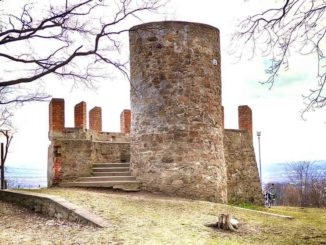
(72, 155)
(73, 150)
(75, 156)
(242, 174)
(111, 152)
(177, 136)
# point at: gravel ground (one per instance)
(144, 218)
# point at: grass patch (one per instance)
(248, 206)
(143, 218)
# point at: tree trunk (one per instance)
(225, 222)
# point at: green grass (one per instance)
(141, 218)
(248, 206)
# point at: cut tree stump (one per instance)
(225, 222)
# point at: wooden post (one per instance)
(2, 167)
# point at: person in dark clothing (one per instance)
(270, 196)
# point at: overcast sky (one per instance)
(276, 111)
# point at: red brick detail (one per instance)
(125, 121)
(245, 118)
(57, 165)
(95, 119)
(57, 170)
(80, 115)
(57, 115)
(222, 112)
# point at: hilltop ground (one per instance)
(143, 218)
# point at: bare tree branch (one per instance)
(295, 26)
(68, 28)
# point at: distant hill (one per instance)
(276, 172)
(22, 177)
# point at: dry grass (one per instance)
(142, 218)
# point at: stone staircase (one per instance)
(110, 175)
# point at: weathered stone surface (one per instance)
(77, 133)
(243, 182)
(111, 152)
(72, 153)
(176, 137)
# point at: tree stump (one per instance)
(225, 222)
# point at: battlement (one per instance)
(57, 127)
(57, 115)
(244, 118)
(80, 115)
(73, 150)
(125, 121)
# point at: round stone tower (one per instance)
(176, 131)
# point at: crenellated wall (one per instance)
(73, 150)
(243, 181)
(242, 173)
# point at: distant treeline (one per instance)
(306, 186)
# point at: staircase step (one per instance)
(111, 165)
(106, 178)
(111, 169)
(111, 173)
(124, 185)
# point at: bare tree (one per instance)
(290, 195)
(4, 152)
(306, 186)
(292, 26)
(79, 38)
(304, 175)
(317, 190)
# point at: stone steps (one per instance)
(111, 165)
(111, 169)
(98, 183)
(106, 178)
(109, 175)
